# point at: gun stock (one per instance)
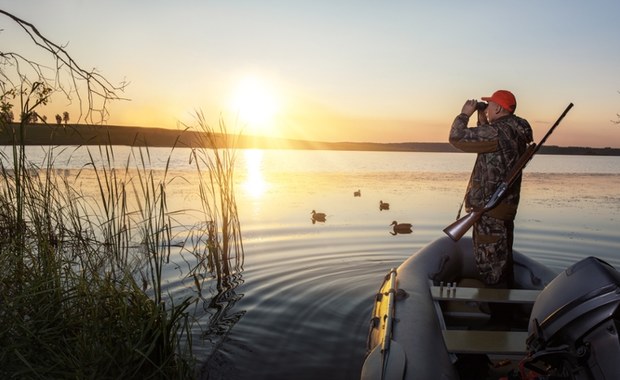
(457, 229)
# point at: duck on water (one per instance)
(401, 228)
(318, 216)
(432, 319)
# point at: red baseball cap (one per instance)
(504, 98)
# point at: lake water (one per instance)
(303, 296)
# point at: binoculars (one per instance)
(481, 106)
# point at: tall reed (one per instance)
(220, 261)
(215, 167)
(81, 282)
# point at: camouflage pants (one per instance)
(493, 250)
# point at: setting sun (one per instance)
(255, 105)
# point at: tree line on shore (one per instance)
(84, 134)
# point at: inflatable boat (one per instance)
(433, 318)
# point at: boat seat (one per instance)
(472, 341)
(485, 342)
(459, 293)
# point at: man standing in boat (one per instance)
(499, 138)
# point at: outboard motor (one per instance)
(574, 325)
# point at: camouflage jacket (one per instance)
(499, 145)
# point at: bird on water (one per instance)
(318, 216)
(401, 228)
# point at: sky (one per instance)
(339, 70)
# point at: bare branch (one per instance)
(92, 90)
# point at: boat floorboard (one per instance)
(485, 342)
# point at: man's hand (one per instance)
(469, 107)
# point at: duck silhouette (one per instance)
(318, 216)
(383, 206)
(357, 193)
(401, 228)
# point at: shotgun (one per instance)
(457, 229)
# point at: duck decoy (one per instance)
(401, 228)
(357, 193)
(383, 206)
(318, 216)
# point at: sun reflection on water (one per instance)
(254, 184)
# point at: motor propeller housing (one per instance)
(575, 322)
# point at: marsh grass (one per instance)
(82, 293)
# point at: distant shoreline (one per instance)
(82, 134)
